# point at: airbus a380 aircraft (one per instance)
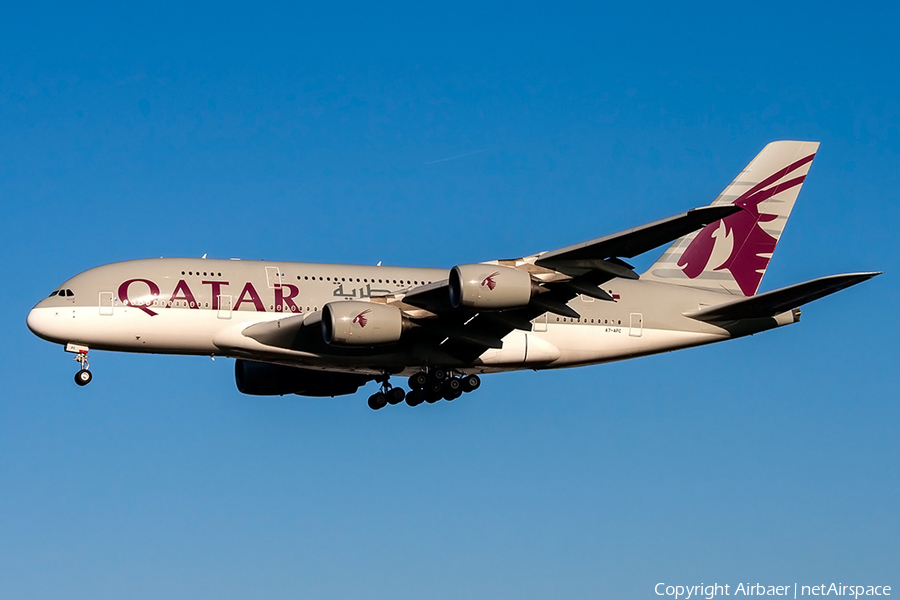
(326, 330)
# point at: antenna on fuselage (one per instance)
(204, 256)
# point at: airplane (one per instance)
(329, 329)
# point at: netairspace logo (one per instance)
(686, 592)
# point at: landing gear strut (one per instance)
(83, 376)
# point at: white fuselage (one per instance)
(199, 306)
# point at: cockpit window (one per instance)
(70, 293)
(62, 293)
(53, 293)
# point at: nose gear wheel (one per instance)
(83, 376)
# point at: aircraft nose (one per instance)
(41, 320)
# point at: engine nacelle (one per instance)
(361, 323)
(490, 287)
(264, 379)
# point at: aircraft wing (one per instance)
(632, 242)
(776, 302)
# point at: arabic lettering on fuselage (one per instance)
(362, 292)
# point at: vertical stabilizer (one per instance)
(732, 254)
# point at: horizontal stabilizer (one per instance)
(776, 302)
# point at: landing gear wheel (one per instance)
(377, 401)
(418, 381)
(434, 389)
(451, 389)
(438, 374)
(470, 383)
(395, 395)
(415, 398)
(83, 377)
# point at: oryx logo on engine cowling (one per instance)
(489, 281)
(361, 319)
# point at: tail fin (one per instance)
(732, 254)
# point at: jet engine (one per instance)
(264, 379)
(362, 323)
(490, 287)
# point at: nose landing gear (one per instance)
(83, 376)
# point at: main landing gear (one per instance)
(426, 386)
(387, 395)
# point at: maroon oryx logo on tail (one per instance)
(489, 281)
(361, 319)
(752, 247)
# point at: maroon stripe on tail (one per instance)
(778, 175)
(748, 237)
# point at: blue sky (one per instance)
(431, 136)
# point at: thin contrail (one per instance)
(440, 160)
